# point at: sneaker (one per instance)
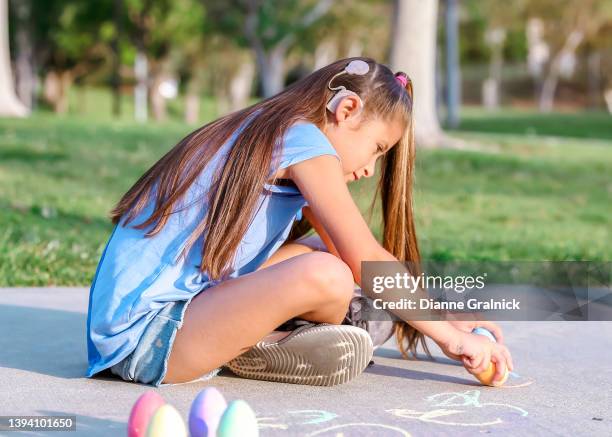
(313, 354)
(363, 314)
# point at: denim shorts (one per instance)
(148, 362)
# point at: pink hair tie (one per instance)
(402, 79)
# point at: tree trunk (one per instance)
(9, 104)
(240, 86)
(272, 68)
(24, 63)
(140, 91)
(271, 63)
(192, 99)
(453, 76)
(158, 102)
(355, 49)
(55, 90)
(413, 51)
(192, 107)
(116, 74)
(325, 53)
(222, 101)
(491, 86)
(594, 79)
(547, 96)
(608, 99)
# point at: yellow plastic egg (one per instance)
(166, 422)
(486, 377)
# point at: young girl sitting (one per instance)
(205, 262)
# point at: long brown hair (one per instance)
(238, 181)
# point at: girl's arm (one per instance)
(337, 219)
(322, 183)
(307, 212)
(435, 330)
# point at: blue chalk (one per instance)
(485, 332)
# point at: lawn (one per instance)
(540, 190)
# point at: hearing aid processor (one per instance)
(357, 67)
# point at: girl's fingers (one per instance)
(500, 366)
(508, 357)
(466, 363)
(470, 364)
(484, 362)
(476, 362)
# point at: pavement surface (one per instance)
(562, 383)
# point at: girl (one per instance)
(206, 261)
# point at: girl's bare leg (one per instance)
(228, 319)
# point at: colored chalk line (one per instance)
(469, 398)
(446, 405)
(515, 375)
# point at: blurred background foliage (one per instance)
(103, 89)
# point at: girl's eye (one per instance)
(378, 148)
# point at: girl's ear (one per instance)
(349, 106)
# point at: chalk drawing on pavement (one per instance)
(460, 403)
(309, 417)
(378, 428)
(516, 381)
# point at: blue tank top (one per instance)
(137, 277)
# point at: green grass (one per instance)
(593, 124)
(529, 198)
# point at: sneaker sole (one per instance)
(323, 355)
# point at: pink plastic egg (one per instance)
(142, 411)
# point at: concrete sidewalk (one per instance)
(562, 383)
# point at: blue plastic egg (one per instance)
(238, 420)
(206, 411)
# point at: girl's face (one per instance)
(360, 146)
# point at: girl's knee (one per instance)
(331, 276)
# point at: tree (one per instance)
(9, 104)
(413, 50)
(24, 54)
(169, 39)
(453, 86)
(70, 40)
(565, 26)
(270, 28)
(500, 20)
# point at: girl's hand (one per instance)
(478, 351)
(470, 325)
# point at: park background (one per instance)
(513, 103)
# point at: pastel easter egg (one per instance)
(206, 411)
(238, 420)
(166, 422)
(142, 411)
(486, 377)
